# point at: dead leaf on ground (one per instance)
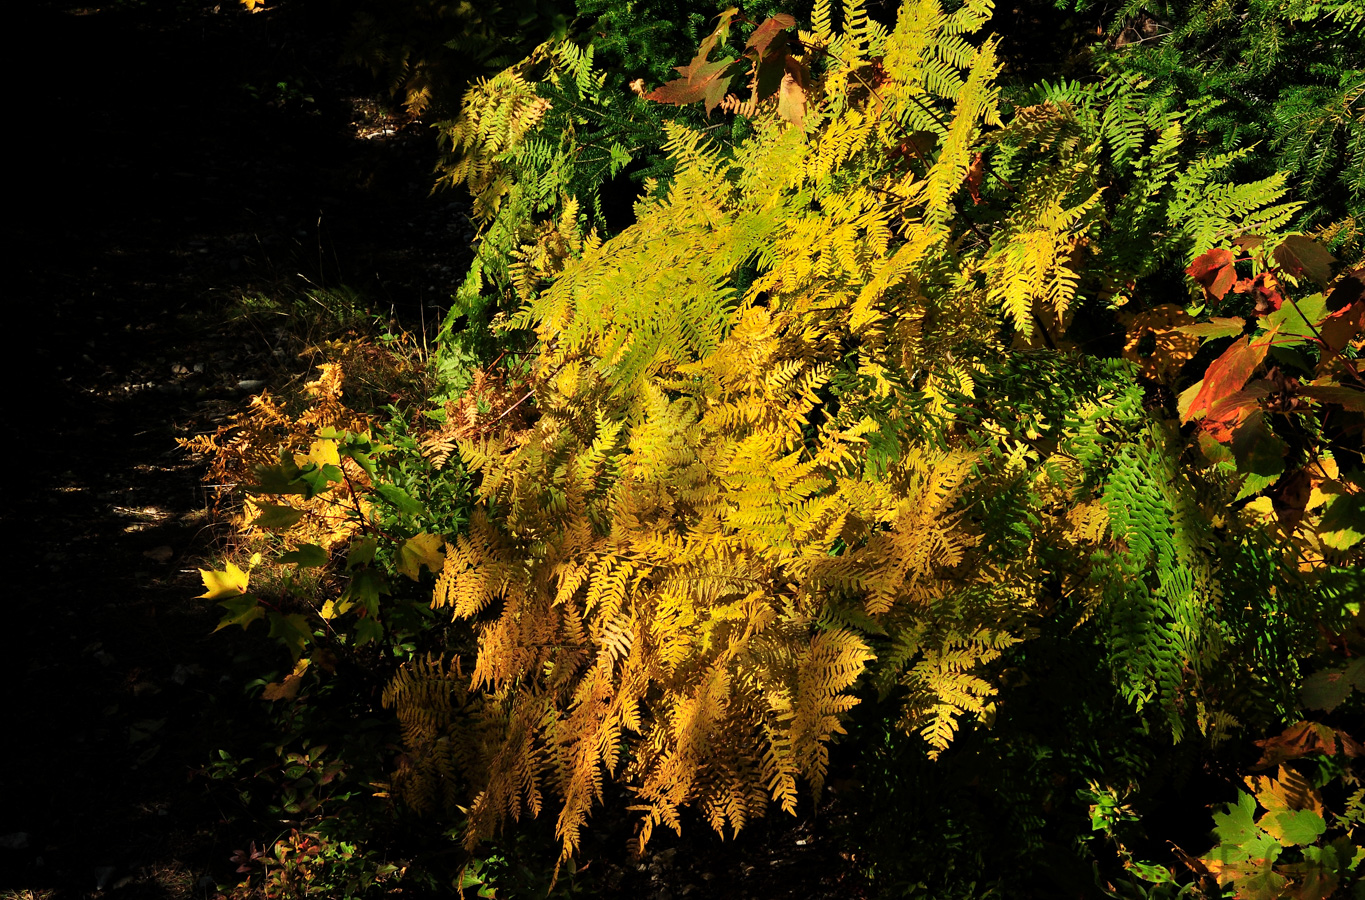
(1156, 342)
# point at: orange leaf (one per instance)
(1342, 326)
(1303, 739)
(975, 175)
(765, 33)
(1228, 373)
(1225, 416)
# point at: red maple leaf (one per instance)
(1227, 374)
(1214, 271)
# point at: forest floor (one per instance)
(177, 158)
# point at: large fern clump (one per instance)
(778, 449)
(889, 395)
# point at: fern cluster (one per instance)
(776, 453)
(1289, 77)
(867, 420)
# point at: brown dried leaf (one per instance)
(1174, 346)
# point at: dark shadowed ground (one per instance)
(165, 159)
(162, 171)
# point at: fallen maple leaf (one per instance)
(1302, 739)
(1165, 327)
(975, 175)
(791, 100)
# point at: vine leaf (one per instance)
(1240, 840)
(1294, 827)
(1214, 271)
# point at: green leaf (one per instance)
(366, 586)
(1239, 840)
(1236, 825)
(1259, 453)
(280, 479)
(240, 610)
(275, 480)
(360, 449)
(368, 629)
(1215, 328)
(620, 158)
(1293, 827)
(361, 552)
(399, 498)
(292, 630)
(1343, 521)
(276, 517)
(1350, 398)
(1263, 884)
(315, 481)
(1328, 689)
(1294, 321)
(308, 556)
(1151, 872)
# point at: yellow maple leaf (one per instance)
(324, 453)
(421, 550)
(228, 583)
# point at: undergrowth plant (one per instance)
(1284, 78)
(890, 405)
